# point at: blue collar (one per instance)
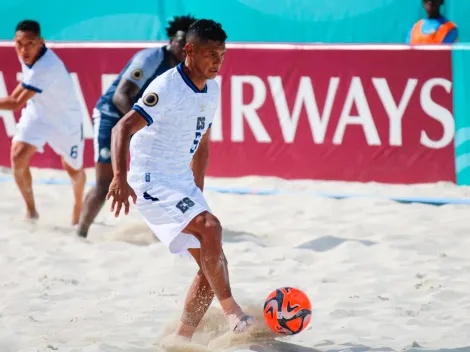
(188, 81)
(41, 54)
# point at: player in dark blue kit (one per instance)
(128, 87)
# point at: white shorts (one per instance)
(38, 133)
(168, 210)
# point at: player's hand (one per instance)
(120, 190)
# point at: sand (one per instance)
(381, 275)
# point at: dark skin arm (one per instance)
(17, 99)
(125, 95)
(201, 160)
(119, 189)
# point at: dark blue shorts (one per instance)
(102, 126)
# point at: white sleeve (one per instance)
(37, 79)
(156, 100)
(142, 66)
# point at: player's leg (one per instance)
(20, 156)
(78, 178)
(96, 196)
(207, 229)
(70, 146)
(30, 138)
(198, 300)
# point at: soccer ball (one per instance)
(287, 311)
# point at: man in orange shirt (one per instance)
(435, 29)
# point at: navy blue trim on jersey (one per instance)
(34, 89)
(210, 125)
(43, 51)
(144, 114)
(188, 81)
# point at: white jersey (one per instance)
(56, 101)
(178, 116)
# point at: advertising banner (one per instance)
(361, 114)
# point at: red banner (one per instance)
(331, 114)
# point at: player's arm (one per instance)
(17, 99)
(16, 92)
(125, 94)
(152, 106)
(133, 79)
(201, 160)
(119, 189)
(149, 107)
(121, 135)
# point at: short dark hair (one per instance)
(207, 30)
(179, 23)
(29, 26)
(442, 2)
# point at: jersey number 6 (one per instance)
(74, 152)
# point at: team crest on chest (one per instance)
(137, 74)
(151, 99)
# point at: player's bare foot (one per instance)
(239, 325)
(31, 215)
(181, 339)
(237, 320)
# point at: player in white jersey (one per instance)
(169, 151)
(126, 89)
(52, 115)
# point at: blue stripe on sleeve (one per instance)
(144, 114)
(34, 89)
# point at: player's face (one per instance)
(432, 6)
(28, 46)
(208, 58)
(177, 45)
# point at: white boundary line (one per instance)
(261, 46)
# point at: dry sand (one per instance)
(381, 275)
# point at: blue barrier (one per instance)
(437, 201)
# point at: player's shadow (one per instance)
(231, 236)
(350, 347)
(279, 346)
(330, 346)
(326, 243)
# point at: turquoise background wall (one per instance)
(329, 21)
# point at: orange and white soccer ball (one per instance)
(287, 311)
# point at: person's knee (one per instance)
(102, 187)
(19, 157)
(210, 229)
(73, 171)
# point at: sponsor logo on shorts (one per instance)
(151, 99)
(105, 153)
